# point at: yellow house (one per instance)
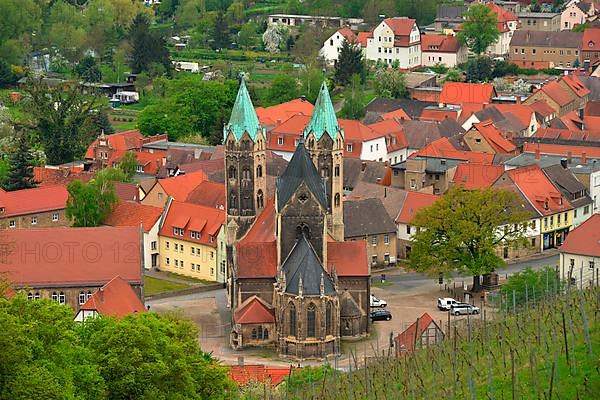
(191, 241)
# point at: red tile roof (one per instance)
(57, 257)
(439, 44)
(567, 134)
(539, 190)
(257, 251)
(191, 217)
(521, 111)
(407, 339)
(36, 200)
(574, 83)
(123, 141)
(179, 187)
(254, 310)
(356, 131)
(349, 258)
(445, 149)
(591, 123)
(459, 93)
(396, 114)
(347, 33)
(209, 194)
(401, 26)
(561, 150)
(556, 92)
(244, 374)
(476, 176)
(50, 176)
(585, 239)
(275, 115)
(126, 191)
(150, 161)
(414, 202)
(116, 299)
(394, 134)
(128, 213)
(438, 114)
(542, 108)
(468, 109)
(591, 40)
(494, 137)
(362, 38)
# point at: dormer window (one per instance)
(545, 204)
(349, 148)
(280, 141)
(193, 235)
(591, 43)
(212, 238)
(103, 143)
(176, 231)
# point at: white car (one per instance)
(375, 302)
(444, 303)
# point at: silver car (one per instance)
(463, 309)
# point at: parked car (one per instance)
(463, 309)
(375, 302)
(444, 303)
(381, 315)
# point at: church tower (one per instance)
(325, 143)
(245, 166)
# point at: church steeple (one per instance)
(323, 119)
(243, 116)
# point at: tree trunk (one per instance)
(476, 283)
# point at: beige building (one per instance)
(539, 21)
(34, 208)
(418, 173)
(560, 49)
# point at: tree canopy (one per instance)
(464, 230)
(390, 83)
(350, 62)
(19, 174)
(480, 29)
(46, 355)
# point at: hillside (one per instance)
(550, 351)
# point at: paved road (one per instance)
(412, 280)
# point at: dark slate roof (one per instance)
(366, 217)
(392, 198)
(300, 170)
(564, 39)
(447, 13)
(418, 134)
(585, 7)
(303, 263)
(450, 127)
(568, 184)
(353, 172)
(414, 108)
(593, 85)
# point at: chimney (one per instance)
(363, 166)
(537, 153)
(518, 99)
(583, 157)
(563, 162)
(569, 157)
(279, 121)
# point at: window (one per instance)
(522, 51)
(259, 171)
(29, 296)
(11, 223)
(177, 263)
(337, 170)
(193, 235)
(280, 141)
(212, 255)
(592, 264)
(153, 245)
(371, 148)
(61, 298)
(54, 296)
(331, 42)
(311, 317)
(168, 261)
(374, 240)
(181, 248)
(586, 210)
(181, 264)
(198, 251)
(176, 247)
(193, 267)
(292, 319)
(551, 220)
(160, 196)
(212, 271)
(139, 168)
(336, 200)
(533, 51)
(175, 232)
(413, 184)
(54, 217)
(212, 238)
(329, 318)
(374, 259)
(232, 172)
(386, 239)
(408, 229)
(349, 148)
(260, 201)
(167, 245)
(558, 219)
(81, 298)
(516, 51)
(193, 250)
(89, 294)
(33, 220)
(532, 242)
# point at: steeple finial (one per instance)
(323, 119)
(243, 116)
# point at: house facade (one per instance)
(414, 202)
(576, 14)
(331, 47)
(442, 50)
(395, 40)
(540, 21)
(580, 254)
(560, 49)
(43, 207)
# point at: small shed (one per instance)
(421, 333)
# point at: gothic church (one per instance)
(294, 283)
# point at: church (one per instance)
(293, 283)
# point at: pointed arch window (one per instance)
(260, 201)
(259, 171)
(246, 174)
(311, 321)
(329, 319)
(337, 200)
(232, 172)
(292, 317)
(337, 170)
(233, 200)
(325, 172)
(302, 229)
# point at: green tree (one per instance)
(220, 32)
(188, 13)
(453, 75)
(99, 122)
(65, 30)
(350, 62)
(480, 69)
(147, 46)
(20, 19)
(480, 30)
(128, 165)
(88, 70)
(463, 231)
(310, 83)
(283, 88)
(20, 167)
(247, 35)
(353, 106)
(60, 114)
(7, 77)
(390, 83)
(529, 286)
(235, 13)
(535, 6)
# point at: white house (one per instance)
(580, 254)
(115, 299)
(442, 49)
(331, 47)
(396, 39)
(186, 66)
(576, 13)
(507, 24)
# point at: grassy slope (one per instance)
(155, 285)
(530, 342)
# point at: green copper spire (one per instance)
(323, 119)
(243, 117)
